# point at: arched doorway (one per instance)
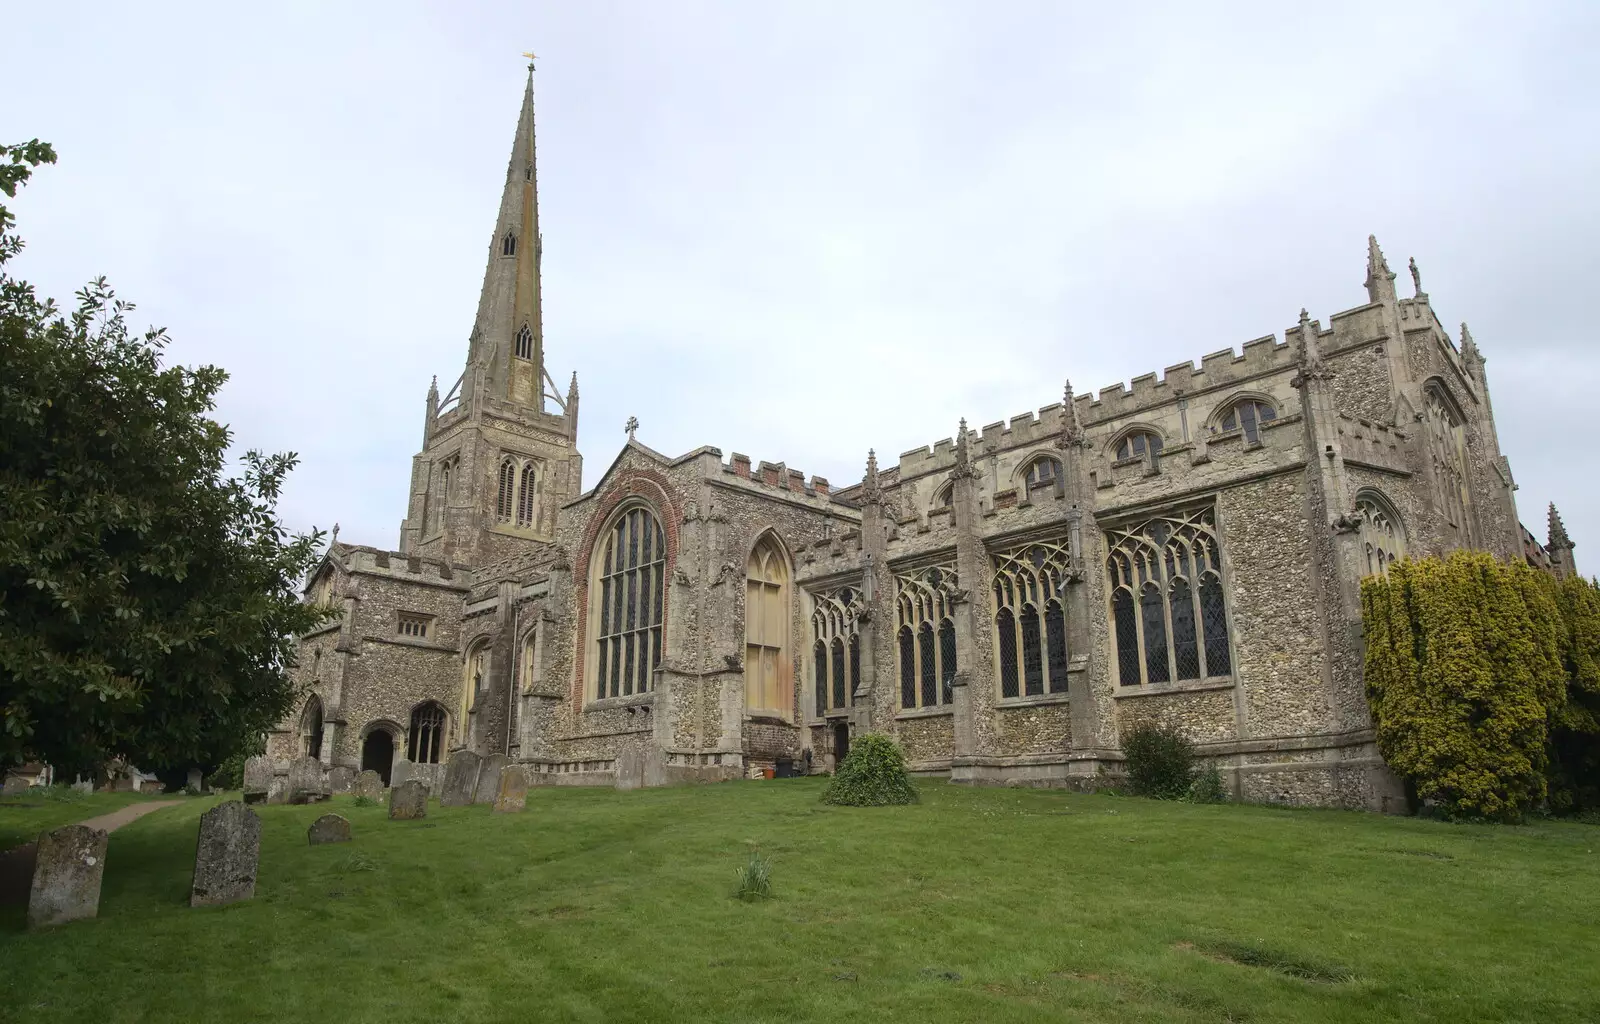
(841, 743)
(377, 753)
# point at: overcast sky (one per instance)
(801, 230)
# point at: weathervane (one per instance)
(631, 426)
(531, 58)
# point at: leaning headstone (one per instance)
(512, 795)
(460, 779)
(400, 773)
(630, 767)
(15, 785)
(341, 779)
(489, 778)
(66, 876)
(330, 828)
(307, 783)
(226, 855)
(408, 800)
(257, 780)
(195, 782)
(368, 784)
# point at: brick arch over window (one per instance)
(768, 615)
(632, 485)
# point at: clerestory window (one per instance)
(1248, 415)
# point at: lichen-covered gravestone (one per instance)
(408, 800)
(257, 779)
(369, 784)
(460, 779)
(400, 773)
(15, 785)
(66, 876)
(341, 779)
(330, 828)
(226, 855)
(489, 778)
(513, 792)
(307, 782)
(630, 767)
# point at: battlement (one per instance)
(1373, 444)
(775, 474)
(360, 558)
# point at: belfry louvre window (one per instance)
(1248, 415)
(926, 637)
(508, 244)
(526, 489)
(415, 625)
(427, 733)
(525, 343)
(1030, 622)
(835, 649)
(627, 615)
(505, 499)
(768, 674)
(1168, 614)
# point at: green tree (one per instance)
(148, 601)
(1575, 724)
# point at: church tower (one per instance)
(499, 450)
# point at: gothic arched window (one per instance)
(1447, 453)
(526, 481)
(1167, 608)
(1383, 538)
(1030, 627)
(311, 728)
(1136, 444)
(1247, 414)
(627, 604)
(1044, 472)
(768, 678)
(525, 343)
(944, 497)
(837, 646)
(508, 244)
(445, 470)
(426, 741)
(927, 636)
(505, 499)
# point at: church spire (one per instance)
(507, 347)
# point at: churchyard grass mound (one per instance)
(976, 904)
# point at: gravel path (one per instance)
(16, 864)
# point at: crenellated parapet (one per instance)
(778, 476)
(1376, 445)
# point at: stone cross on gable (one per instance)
(631, 426)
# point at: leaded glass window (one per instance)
(525, 343)
(838, 666)
(628, 603)
(1030, 627)
(1447, 452)
(1383, 539)
(426, 738)
(1136, 444)
(1248, 415)
(1044, 472)
(927, 635)
(1167, 607)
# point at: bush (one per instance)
(873, 775)
(1160, 762)
(755, 879)
(1464, 673)
(1575, 725)
(1207, 787)
(365, 801)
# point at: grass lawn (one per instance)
(23, 817)
(977, 905)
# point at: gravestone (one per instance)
(194, 783)
(399, 773)
(257, 780)
(307, 783)
(83, 786)
(330, 828)
(278, 789)
(489, 778)
(226, 855)
(341, 779)
(512, 794)
(15, 785)
(122, 785)
(460, 779)
(407, 801)
(630, 767)
(368, 784)
(67, 870)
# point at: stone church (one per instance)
(1004, 603)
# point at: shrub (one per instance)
(1207, 787)
(873, 775)
(365, 801)
(1463, 674)
(755, 879)
(1160, 762)
(1575, 725)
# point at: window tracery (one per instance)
(768, 675)
(526, 481)
(1030, 619)
(1383, 540)
(1447, 451)
(508, 244)
(1168, 612)
(926, 635)
(628, 603)
(505, 499)
(426, 737)
(525, 343)
(835, 648)
(1247, 415)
